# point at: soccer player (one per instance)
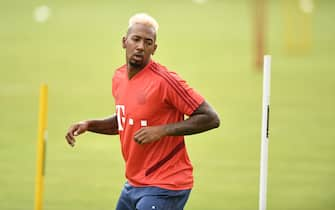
(151, 103)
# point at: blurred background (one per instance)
(217, 46)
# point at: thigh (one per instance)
(124, 202)
(172, 200)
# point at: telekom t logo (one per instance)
(120, 116)
(121, 119)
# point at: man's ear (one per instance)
(124, 39)
(155, 47)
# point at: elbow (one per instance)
(215, 120)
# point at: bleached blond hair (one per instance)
(145, 19)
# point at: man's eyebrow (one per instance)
(145, 38)
(149, 39)
(139, 36)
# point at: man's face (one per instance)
(140, 44)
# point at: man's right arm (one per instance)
(107, 126)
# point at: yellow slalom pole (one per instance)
(40, 169)
(288, 24)
(297, 25)
(306, 10)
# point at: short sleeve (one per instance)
(180, 95)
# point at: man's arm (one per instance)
(107, 126)
(202, 119)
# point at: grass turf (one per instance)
(210, 45)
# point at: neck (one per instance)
(133, 70)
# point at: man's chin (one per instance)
(136, 64)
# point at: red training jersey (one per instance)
(154, 96)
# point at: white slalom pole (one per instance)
(265, 132)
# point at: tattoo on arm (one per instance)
(202, 119)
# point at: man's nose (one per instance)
(140, 45)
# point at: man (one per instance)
(150, 106)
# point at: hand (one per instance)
(75, 130)
(149, 134)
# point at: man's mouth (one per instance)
(138, 56)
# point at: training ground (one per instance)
(211, 45)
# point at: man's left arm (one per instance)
(202, 119)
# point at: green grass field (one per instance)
(211, 46)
